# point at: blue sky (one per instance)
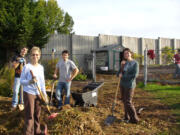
(135, 18)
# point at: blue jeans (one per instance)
(60, 87)
(16, 90)
(177, 71)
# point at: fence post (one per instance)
(145, 66)
(159, 51)
(94, 66)
(141, 48)
(71, 46)
(174, 46)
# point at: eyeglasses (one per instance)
(34, 54)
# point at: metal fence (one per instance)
(163, 73)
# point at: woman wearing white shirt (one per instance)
(31, 95)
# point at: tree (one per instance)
(14, 26)
(57, 20)
(39, 35)
(54, 16)
(29, 23)
(67, 25)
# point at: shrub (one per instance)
(81, 77)
(167, 55)
(140, 85)
(6, 81)
(49, 67)
(138, 57)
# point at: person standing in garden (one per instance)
(18, 63)
(32, 98)
(177, 64)
(128, 72)
(67, 72)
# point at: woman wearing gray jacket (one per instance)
(128, 72)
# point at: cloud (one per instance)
(132, 17)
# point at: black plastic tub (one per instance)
(88, 95)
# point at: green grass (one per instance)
(167, 94)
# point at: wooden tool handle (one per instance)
(40, 92)
(32, 73)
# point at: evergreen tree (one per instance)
(39, 35)
(29, 23)
(67, 26)
(57, 20)
(14, 26)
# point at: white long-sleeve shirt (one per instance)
(26, 76)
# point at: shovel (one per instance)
(52, 115)
(21, 105)
(52, 91)
(111, 118)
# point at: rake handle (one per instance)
(41, 94)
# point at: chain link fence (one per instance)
(159, 66)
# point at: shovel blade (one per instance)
(109, 120)
(52, 116)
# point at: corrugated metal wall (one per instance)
(132, 43)
(82, 45)
(150, 43)
(59, 42)
(105, 40)
(79, 46)
(165, 42)
(178, 43)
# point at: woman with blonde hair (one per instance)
(31, 95)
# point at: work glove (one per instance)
(21, 60)
(33, 80)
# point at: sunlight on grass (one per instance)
(168, 94)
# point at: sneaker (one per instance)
(133, 121)
(44, 130)
(13, 108)
(60, 107)
(125, 120)
(140, 110)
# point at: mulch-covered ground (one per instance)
(155, 117)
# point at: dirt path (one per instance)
(155, 118)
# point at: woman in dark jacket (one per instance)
(128, 72)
